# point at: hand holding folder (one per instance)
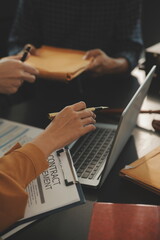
(58, 63)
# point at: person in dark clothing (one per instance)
(108, 30)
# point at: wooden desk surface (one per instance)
(74, 223)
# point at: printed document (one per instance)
(56, 188)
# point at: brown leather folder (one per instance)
(113, 221)
(145, 171)
(58, 63)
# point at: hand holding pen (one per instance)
(70, 123)
(13, 72)
(93, 109)
(31, 72)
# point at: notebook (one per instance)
(115, 221)
(98, 153)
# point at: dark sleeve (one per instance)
(128, 34)
(26, 26)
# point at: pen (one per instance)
(93, 109)
(25, 54)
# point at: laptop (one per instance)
(95, 153)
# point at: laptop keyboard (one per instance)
(90, 152)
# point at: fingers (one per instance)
(86, 116)
(28, 77)
(14, 87)
(79, 106)
(96, 56)
(92, 53)
(17, 83)
(10, 90)
(81, 110)
(30, 69)
(93, 64)
(77, 113)
(88, 128)
(29, 73)
(13, 90)
(88, 120)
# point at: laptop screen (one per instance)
(127, 123)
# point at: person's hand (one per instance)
(13, 73)
(102, 64)
(68, 125)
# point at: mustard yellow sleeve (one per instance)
(17, 170)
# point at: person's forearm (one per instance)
(17, 170)
(24, 164)
(46, 143)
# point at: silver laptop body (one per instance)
(122, 132)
